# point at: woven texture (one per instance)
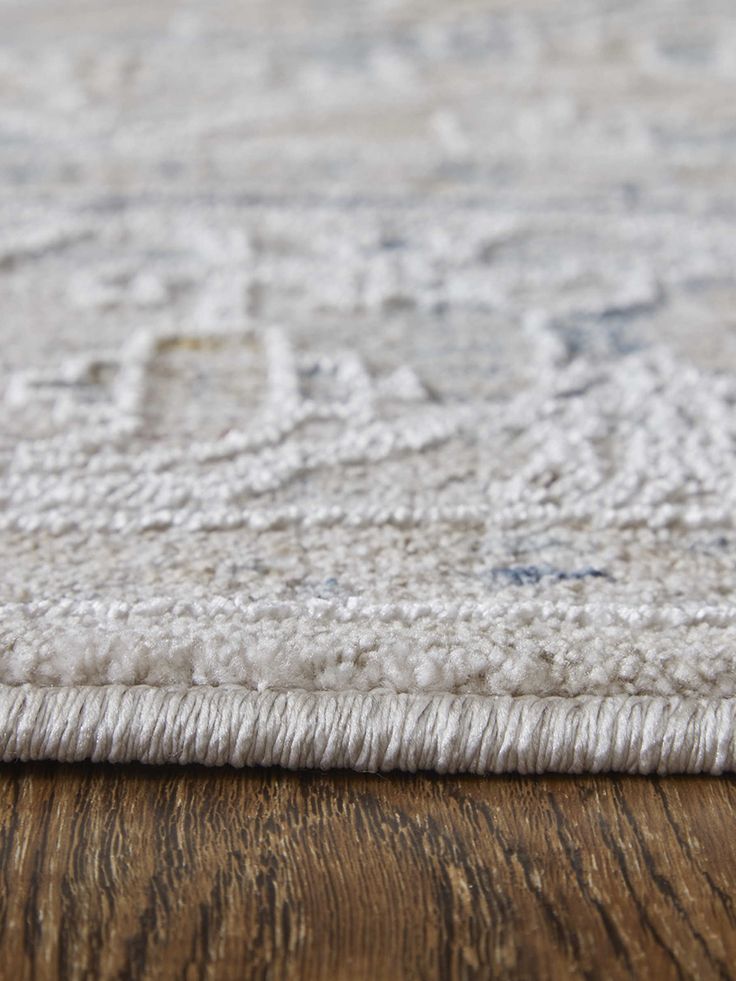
(368, 384)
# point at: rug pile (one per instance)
(368, 385)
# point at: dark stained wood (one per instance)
(135, 872)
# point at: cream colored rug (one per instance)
(368, 384)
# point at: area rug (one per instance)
(368, 384)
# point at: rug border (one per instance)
(369, 731)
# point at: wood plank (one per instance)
(192, 873)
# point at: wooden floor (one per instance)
(134, 872)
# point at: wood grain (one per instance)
(134, 872)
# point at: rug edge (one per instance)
(368, 731)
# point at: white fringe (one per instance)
(368, 731)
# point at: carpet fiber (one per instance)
(369, 384)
